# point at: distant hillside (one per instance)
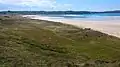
(55, 12)
(116, 11)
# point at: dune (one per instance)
(109, 26)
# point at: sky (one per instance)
(59, 5)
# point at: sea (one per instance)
(101, 16)
(75, 16)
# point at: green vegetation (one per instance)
(37, 43)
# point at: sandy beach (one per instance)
(111, 27)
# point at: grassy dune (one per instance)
(37, 43)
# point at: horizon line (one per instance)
(58, 10)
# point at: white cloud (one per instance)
(37, 3)
(29, 2)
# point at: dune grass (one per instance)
(37, 43)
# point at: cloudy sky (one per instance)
(37, 5)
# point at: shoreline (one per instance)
(110, 27)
